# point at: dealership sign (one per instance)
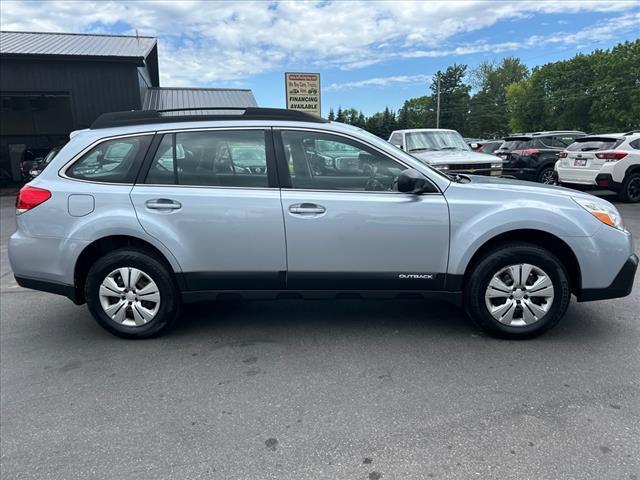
(303, 91)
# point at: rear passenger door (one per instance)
(347, 226)
(211, 197)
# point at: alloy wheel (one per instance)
(129, 297)
(548, 177)
(519, 295)
(633, 189)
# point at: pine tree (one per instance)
(332, 115)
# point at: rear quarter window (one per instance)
(111, 161)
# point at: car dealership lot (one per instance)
(317, 389)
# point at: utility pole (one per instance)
(438, 104)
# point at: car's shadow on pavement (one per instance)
(431, 317)
(422, 318)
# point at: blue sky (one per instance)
(369, 54)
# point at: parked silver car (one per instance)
(143, 212)
(445, 150)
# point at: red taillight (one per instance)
(563, 154)
(611, 156)
(603, 182)
(31, 197)
(528, 151)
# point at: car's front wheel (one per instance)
(630, 191)
(518, 291)
(132, 294)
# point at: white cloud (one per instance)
(398, 80)
(605, 30)
(202, 42)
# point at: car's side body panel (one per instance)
(475, 222)
(367, 240)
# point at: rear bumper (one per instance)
(605, 180)
(48, 286)
(577, 176)
(620, 287)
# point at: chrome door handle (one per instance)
(307, 209)
(163, 204)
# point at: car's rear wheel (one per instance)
(132, 294)
(630, 191)
(518, 291)
(547, 176)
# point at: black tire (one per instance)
(547, 176)
(170, 300)
(630, 191)
(512, 254)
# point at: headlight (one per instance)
(605, 213)
(496, 165)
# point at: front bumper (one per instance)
(620, 287)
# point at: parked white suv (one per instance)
(445, 150)
(609, 160)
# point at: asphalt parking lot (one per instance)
(344, 389)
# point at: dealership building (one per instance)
(54, 83)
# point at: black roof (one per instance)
(35, 46)
(144, 117)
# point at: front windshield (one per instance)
(435, 141)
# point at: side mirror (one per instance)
(412, 181)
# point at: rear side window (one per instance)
(563, 141)
(635, 144)
(211, 158)
(594, 145)
(112, 161)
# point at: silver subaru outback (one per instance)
(146, 211)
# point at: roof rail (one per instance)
(631, 132)
(142, 117)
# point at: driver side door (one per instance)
(347, 227)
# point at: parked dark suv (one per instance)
(531, 156)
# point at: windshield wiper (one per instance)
(450, 148)
(421, 149)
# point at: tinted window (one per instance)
(515, 145)
(330, 162)
(593, 145)
(635, 144)
(563, 141)
(490, 147)
(113, 161)
(212, 158)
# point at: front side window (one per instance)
(396, 139)
(435, 140)
(231, 158)
(329, 162)
(112, 161)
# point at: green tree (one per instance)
(488, 113)
(332, 116)
(419, 112)
(615, 102)
(454, 97)
(340, 116)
